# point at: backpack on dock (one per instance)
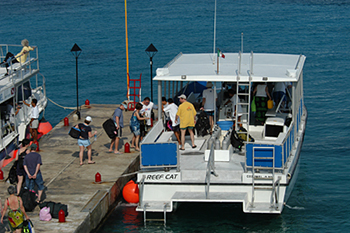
(75, 132)
(28, 199)
(55, 207)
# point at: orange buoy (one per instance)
(131, 192)
(44, 127)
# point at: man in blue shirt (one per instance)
(32, 163)
(118, 121)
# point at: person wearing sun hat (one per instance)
(84, 141)
(187, 114)
(118, 119)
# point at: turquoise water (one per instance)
(318, 29)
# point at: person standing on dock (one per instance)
(187, 115)
(119, 124)
(32, 163)
(34, 118)
(171, 110)
(146, 111)
(84, 141)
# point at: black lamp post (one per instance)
(76, 52)
(151, 52)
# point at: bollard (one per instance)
(37, 145)
(98, 178)
(127, 148)
(61, 216)
(87, 102)
(1, 175)
(66, 121)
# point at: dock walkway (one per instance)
(69, 183)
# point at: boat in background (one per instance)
(19, 82)
(261, 174)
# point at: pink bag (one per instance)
(44, 214)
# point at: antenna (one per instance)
(214, 34)
(242, 42)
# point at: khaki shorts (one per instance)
(35, 124)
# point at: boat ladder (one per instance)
(243, 98)
(273, 185)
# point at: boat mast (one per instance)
(127, 53)
(214, 50)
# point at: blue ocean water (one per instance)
(318, 29)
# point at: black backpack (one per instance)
(55, 208)
(236, 141)
(202, 124)
(12, 177)
(110, 128)
(21, 159)
(28, 199)
(75, 132)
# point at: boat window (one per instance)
(26, 90)
(273, 130)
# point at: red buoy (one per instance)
(37, 145)
(131, 192)
(127, 148)
(1, 175)
(66, 121)
(98, 178)
(45, 127)
(61, 216)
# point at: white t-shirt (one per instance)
(11, 113)
(34, 112)
(210, 97)
(234, 103)
(280, 86)
(147, 110)
(261, 90)
(171, 110)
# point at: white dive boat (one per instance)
(23, 83)
(261, 175)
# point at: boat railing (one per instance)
(210, 171)
(275, 193)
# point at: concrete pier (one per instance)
(69, 183)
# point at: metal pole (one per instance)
(76, 71)
(151, 63)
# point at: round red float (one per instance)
(44, 127)
(131, 192)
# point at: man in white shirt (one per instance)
(34, 118)
(146, 111)
(171, 111)
(209, 96)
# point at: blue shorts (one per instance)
(38, 181)
(84, 142)
(209, 113)
(135, 130)
(277, 96)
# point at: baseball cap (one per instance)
(88, 118)
(33, 146)
(183, 96)
(124, 105)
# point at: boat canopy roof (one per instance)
(261, 67)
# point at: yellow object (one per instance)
(187, 113)
(22, 56)
(270, 104)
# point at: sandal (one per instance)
(92, 162)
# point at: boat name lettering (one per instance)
(161, 177)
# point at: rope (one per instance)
(60, 105)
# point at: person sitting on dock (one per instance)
(187, 114)
(34, 118)
(84, 141)
(146, 112)
(32, 163)
(119, 124)
(135, 126)
(209, 96)
(171, 110)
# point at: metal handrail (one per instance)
(210, 170)
(275, 193)
(141, 190)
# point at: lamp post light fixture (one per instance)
(76, 52)
(151, 52)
